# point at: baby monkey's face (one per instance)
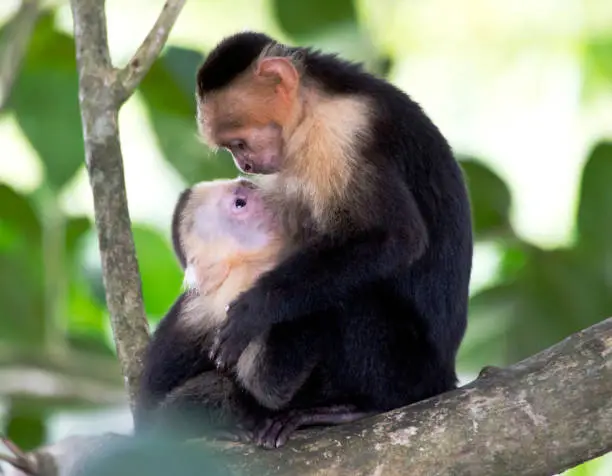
(220, 225)
(234, 211)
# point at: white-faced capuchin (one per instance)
(378, 219)
(225, 235)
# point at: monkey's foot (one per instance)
(275, 431)
(235, 435)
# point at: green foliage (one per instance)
(597, 59)
(76, 229)
(542, 295)
(490, 199)
(45, 102)
(595, 209)
(169, 93)
(18, 215)
(161, 274)
(537, 298)
(300, 19)
(26, 427)
(21, 277)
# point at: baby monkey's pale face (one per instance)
(233, 210)
(225, 225)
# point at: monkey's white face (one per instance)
(232, 210)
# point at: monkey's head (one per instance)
(247, 93)
(301, 115)
(222, 224)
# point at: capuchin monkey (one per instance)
(225, 235)
(379, 234)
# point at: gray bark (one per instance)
(540, 416)
(102, 90)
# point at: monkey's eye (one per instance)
(240, 203)
(237, 145)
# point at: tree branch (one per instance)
(143, 59)
(541, 416)
(14, 44)
(35, 383)
(101, 94)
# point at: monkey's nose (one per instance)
(247, 167)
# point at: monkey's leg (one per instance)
(275, 431)
(209, 405)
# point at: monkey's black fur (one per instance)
(390, 282)
(412, 238)
(176, 217)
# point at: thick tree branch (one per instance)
(100, 94)
(541, 416)
(143, 59)
(14, 44)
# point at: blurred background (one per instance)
(522, 90)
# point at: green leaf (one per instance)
(490, 199)
(177, 138)
(306, 19)
(26, 426)
(595, 204)
(21, 270)
(18, 214)
(76, 229)
(514, 259)
(491, 315)
(595, 467)
(168, 91)
(182, 64)
(559, 293)
(161, 273)
(597, 59)
(21, 296)
(86, 320)
(45, 102)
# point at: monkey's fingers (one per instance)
(281, 430)
(230, 341)
(277, 433)
(237, 435)
(260, 433)
(213, 353)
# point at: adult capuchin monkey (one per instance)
(382, 213)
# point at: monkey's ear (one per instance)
(281, 68)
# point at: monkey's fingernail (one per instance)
(227, 308)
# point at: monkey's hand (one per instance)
(240, 328)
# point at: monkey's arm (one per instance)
(326, 272)
(250, 407)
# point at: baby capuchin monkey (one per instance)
(225, 235)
